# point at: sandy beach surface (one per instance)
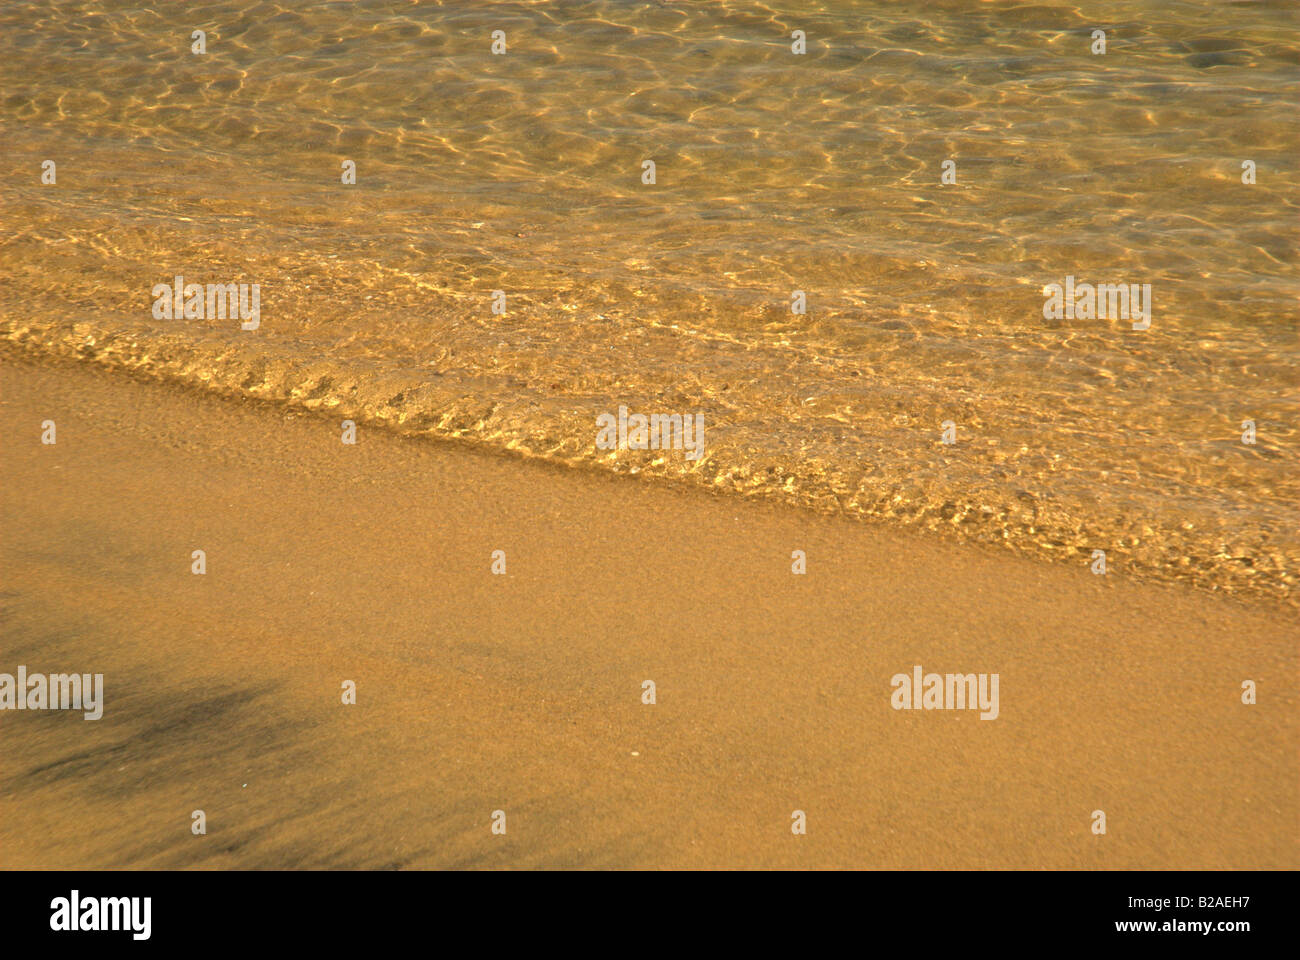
(523, 692)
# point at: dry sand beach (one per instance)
(481, 692)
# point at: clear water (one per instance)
(775, 172)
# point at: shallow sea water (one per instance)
(775, 172)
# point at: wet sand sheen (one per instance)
(522, 692)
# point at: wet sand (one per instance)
(479, 692)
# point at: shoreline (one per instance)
(522, 692)
(1022, 524)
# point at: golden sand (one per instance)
(522, 692)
